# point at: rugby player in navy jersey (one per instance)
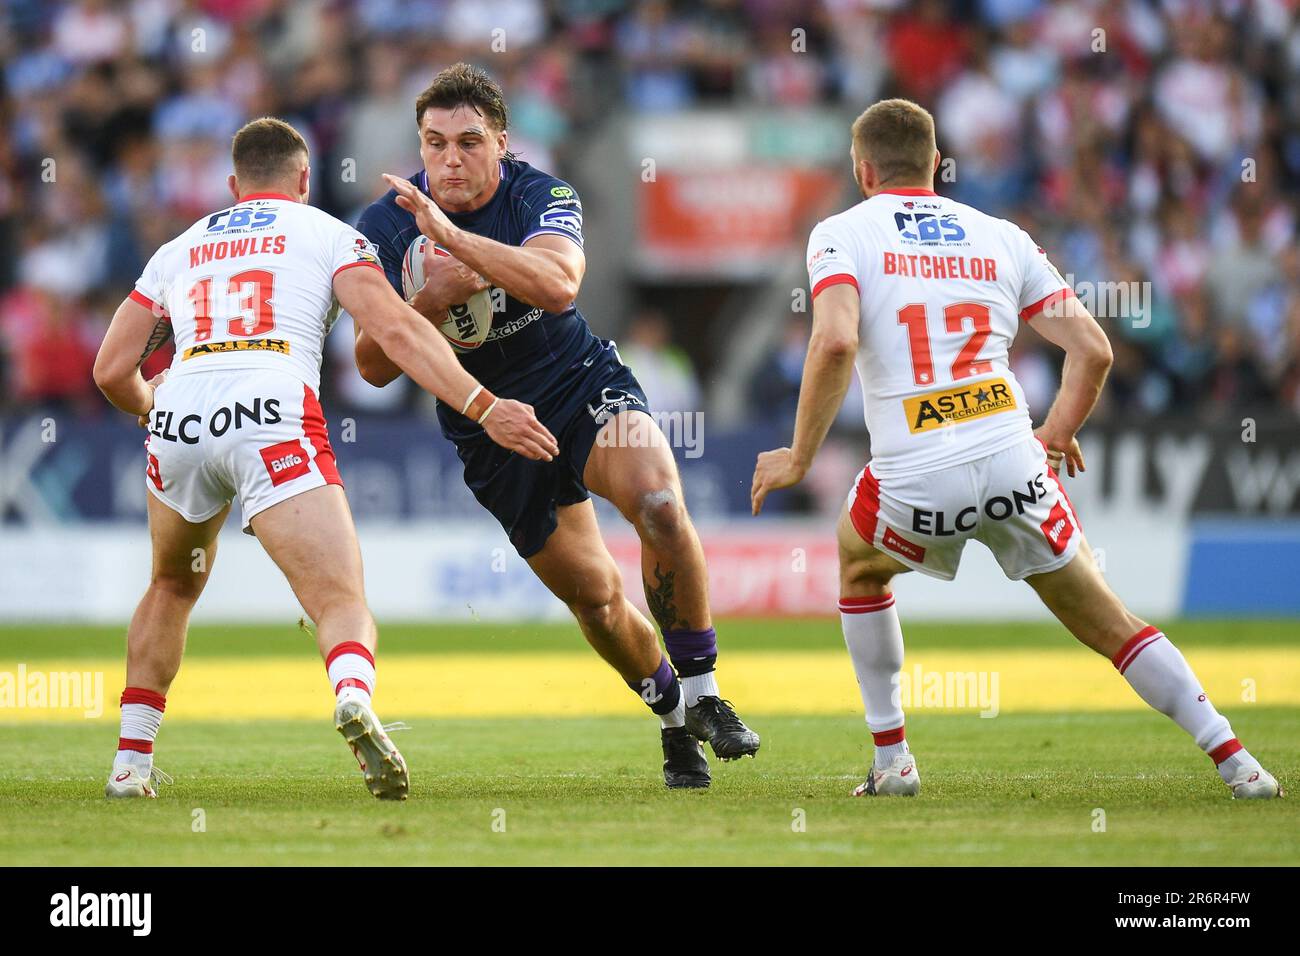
(521, 230)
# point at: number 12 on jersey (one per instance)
(914, 319)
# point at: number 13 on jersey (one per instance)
(248, 296)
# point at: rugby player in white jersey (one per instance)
(250, 293)
(925, 295)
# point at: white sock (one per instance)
(351, 669)
(701, 685)
(142, 714)
(875, 642)
(1237, 758)
(1162, 677)
(353, 693)
(675, 717)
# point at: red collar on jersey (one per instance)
(266, 196)
(907, 191)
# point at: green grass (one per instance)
(1016, 790)
(24, 642)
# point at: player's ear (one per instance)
(937, 158)
(304, 182)
(869, 180)
(233, 184)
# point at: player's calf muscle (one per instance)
(596, 602)
(612, 627)
(600, 614)
(1083, 602)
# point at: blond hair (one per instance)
(897, 138)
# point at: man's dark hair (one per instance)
(266, 150)
(465, 85)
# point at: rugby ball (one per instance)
(467, 325)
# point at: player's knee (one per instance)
(597, 607)
(660, 514)
(183, 585)
(864, 577)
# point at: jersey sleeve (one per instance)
(349, 249)
(830, 260)
(376, 226)
(1041, 286)
(549, 206)
(150, 290)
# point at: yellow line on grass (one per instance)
(579, 684)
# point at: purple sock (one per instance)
(662, 690)
(692, 652)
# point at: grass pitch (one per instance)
(1031, 786)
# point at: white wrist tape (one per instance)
(470, 401)
(483, 417)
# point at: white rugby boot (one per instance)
(381, 763)
(127, 782)
(1254, 783)
(899, 779)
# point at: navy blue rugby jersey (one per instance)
(529, 352)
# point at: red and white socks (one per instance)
(1162, 677)
(351, 669)
(875, 642)
(1148, 661)
(890, 744)
(142, 714)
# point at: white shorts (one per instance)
(247, 433)
(1011, 501)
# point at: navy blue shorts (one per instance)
(523, 494)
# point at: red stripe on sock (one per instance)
(1134, 646)
(887, 737)
(349, 647)
(1225, 750)
(139, 695)
(351, 682)
(865, 605)
(139, 746)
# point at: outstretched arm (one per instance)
(422, 353)
(827, 371)
(1088, 357)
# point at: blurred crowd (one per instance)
(1151, 146)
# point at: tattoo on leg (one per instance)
(659, 598)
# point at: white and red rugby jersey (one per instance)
(943, 289)
(252, 286)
